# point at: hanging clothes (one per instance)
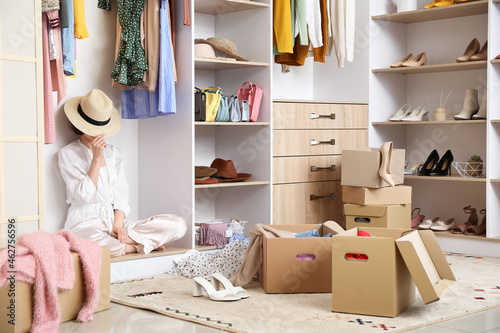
(56, 65)
(48, 106)
(79, 16)
(338, 31)
(130, 63)
(68, 37)
(350, 24)
(282, 23)
(320, 51)
(140, 103)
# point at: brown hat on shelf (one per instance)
(205, 180)
(203, 171)
(227, 172)
(223, 49)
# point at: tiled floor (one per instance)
(123, 319)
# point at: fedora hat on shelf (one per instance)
(226, 172)
(222, 48)
(202, 175)
(93, 114)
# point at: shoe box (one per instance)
(298, 265)
(400, 194)
(360, 167)
(378, 216)
(377, 275)
(70, 301)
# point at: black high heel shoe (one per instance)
(443, 167)
(429, 164)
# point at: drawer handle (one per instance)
(316, 197)
(328, 142)
(316, 116)
(315, 168)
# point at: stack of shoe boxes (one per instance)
(369, 201)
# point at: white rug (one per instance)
(477, 288)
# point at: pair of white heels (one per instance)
(230, 292)
(405, 114)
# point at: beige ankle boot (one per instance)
(470, 107)
(481, 114)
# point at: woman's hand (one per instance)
(97, 146)
(120, 233)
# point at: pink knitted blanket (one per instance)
(45, 261)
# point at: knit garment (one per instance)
(213, 234)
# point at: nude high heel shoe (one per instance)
(481, 55)
(400, 62)
(418, 60)
(471, 105)
(471, 49)
(385, 164)
(481, 114)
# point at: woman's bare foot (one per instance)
(130, 249)
(160, 248)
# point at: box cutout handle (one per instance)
(362, 219)
(355, 257)
(305, 257)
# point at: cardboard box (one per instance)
(391, 195)
(382, 285)
(378, 216)
(298, 265)
(360, 167)
(70, 301)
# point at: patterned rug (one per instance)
(477, 288)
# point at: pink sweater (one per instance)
(45, 261)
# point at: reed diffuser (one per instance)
(440, 114)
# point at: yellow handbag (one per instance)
(213, 99)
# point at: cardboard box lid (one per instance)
(368, 210)
(427, 264)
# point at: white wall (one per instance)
(95, 57)
(325, 81)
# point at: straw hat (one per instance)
(93, 114)
(223, 48)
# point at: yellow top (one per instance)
(282, 22)
(80, 28)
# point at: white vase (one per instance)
(407, 5)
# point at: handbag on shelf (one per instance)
(253, 94)
(223, 111)
(213, 99)
(234, 108)
(245, 111)
(200, 104)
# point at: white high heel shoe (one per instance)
(218, 279)
(419, 114)
(402, 112)
(215, 295)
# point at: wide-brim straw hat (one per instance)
(93, 114)
(223, 48)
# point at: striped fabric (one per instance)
(149, 233)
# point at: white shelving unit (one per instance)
(443, 33)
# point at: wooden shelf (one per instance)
(216, 64)
(234, 184)
(433, 122)
(495, 61)
(453, 67)
(495, 180)
(496, 1)
(437, 13)
(226, 6)
(205, 247)
(169, 250)
(447, 178)
(471, 237)
(218, 123)
(495, 121)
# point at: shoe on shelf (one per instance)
(429, 164)
(481, 114)
(417, 219)
(443, 167)
(432, 5)
(400, 62)
(418, 60)
(426, 224)
(215, 295)
(219, 279)
(477, 229)
(384, 170)
(471, 49)
(472, 220)
(444, 3)
(413, 169)
(482, 55)
(470, 107)
(419, 114)
(402, 112)
(444, 225)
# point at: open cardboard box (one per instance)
(70, 301)
(298, 265)
(382, 284)
(377, 216)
